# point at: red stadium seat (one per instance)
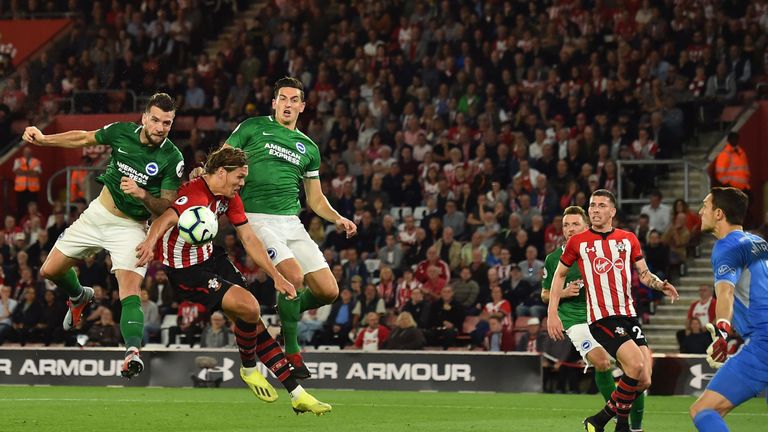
(18, 126)
(206, 123)
(184, 123)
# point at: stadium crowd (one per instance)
(453, 134)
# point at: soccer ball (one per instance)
(198, 225)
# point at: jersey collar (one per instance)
(604, 235)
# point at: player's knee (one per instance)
(46, 271)
(603, 364)
(250, 312)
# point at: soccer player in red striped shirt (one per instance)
(202, 275)
(605, 256)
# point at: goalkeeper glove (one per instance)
(717, 352)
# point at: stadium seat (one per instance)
(184, 123)
(206, 123)
(18, 126)
(396, 213)
(420, 212)
(372, 265)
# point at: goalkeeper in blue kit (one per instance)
(740, 267)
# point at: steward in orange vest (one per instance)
(732, 166)
(27, 183)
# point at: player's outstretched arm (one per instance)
(145, 251)
(319, 204)
(71, 139)
(255, 249)
(652, 281)
(554, 325)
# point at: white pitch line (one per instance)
(359, 405)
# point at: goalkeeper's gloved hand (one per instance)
(717, 352)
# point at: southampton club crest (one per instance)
(620, 331)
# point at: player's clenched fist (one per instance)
(129, 186)
(33, 135)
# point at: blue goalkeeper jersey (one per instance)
(741, 259)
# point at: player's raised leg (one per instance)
(58, 268)
(253, 340)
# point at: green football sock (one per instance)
(132, 321)
(289, 311)
(605, 383)
(309, 301)
(636, 414)
(69, 283)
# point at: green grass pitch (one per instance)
(42, 409)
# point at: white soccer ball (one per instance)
(198, 225)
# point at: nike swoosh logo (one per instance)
(267, 134)
(121, 151)
(134, 322)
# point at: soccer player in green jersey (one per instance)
(142, 177)
(573, 313)
(280, 157)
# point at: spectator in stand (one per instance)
(386, 288)
(465, 291)
(373, 336)
(419, 308)
(339, 322)
(434, 284)
(446, 320)
(161, 292)
(531, 266)
(26, 317)
(10, 229)
(694, 339)
(190, 321)
(499, 338)
(454, 219)
(7, 307)
(368, 302)
(704, 308)
(731, 167)
(391, 254)
(475, 245)
(677, 238)
(499, 306)
(659, 214)
(433, 260)
(406, 335)
(354, 267)
(533, 339)
(405, 286)
(643, 228)
(53, 311)
(448, 249)
(216, 334)
(151, 317)
(104, 332)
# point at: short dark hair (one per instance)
(163, 101)
(576, 210)
(733, 138)
(656, 193)
(605, 193)
(289, 82)
(229, 158)
(733, 202)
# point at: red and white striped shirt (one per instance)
(171, 248)
(605, 260)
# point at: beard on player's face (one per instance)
(152, 138)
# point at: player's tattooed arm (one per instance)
(652, 281)
(155, 205)
(70, 139)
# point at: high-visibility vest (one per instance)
(77, 184)
(29, 182)
(732, 168)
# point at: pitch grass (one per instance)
(63, 409)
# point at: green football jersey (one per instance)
(572, 310)
(153, 168)
(278, 160)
